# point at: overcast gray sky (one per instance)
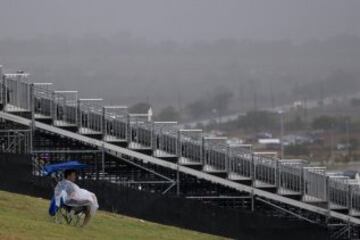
(182, 20)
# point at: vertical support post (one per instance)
(152, 138)
(28, 100)
(128, 129)
(253, 179)
(252, 200)
(349, 198)
(227, 160)
(64, 109)
(53, 107)
(17, 100)
(178, 154)
(2, 88)
(203, 154)
(97, 167)
(253, 170)
(277, 175)
(177, 179)
(327, 193)
(8, 139)
(303, 183)
(103, 127)
(77, 103)
(5, 89)
(103, 158)
(32, 112)
(178, 146)
(32, 102)
(78, 118)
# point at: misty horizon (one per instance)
(181, 21)
(179, 52)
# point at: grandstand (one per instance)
(126, 148)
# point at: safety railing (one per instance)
(115, 123)
(290, 176)
(164, 139)
(65, 108)
(240, 163)
(215, 154)
(190, 146)
(43, 100)
(264, 171)
(2, 88)
(354, 198)
(140, 131)
(338, 192)
(18, 92)
(91, 116)
(315, 184)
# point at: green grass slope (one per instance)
(24, 217)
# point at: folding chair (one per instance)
(61, 212)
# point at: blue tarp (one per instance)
(51, 168)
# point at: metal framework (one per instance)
(15, 140)
(271, 179)
(50, 148)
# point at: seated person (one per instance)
(75, 196)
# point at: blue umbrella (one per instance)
(73, 165)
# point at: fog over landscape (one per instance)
(176, 53)
(180, 119)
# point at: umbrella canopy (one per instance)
(73, 165)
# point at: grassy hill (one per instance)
(24, 217)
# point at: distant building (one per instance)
(343, 146)
(235, 141)
(294, 139)
(269, 143)
(263, 135)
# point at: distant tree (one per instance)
(354, 144)
(323, 122)
(355, 102)
(296, 124)
(218, 101)
(221, 99)
(140, 107)
(337, 82)
(168, 114)
(257, 120)
(197, 109)
(296, 150)
(200, 126)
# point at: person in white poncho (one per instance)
(75, 196)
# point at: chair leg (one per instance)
(69, 217)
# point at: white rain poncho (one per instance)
(75, 196)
